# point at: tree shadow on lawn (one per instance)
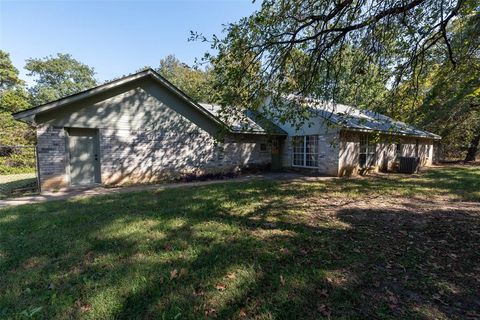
(230, 251)
(461, 182)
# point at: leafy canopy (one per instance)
(194, 82)
(13, 97)
(8, 73)
(58, 76)
(325, 49)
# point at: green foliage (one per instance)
(18, 164)
(11, 182)
(55, 77)
(194, 82)
(444, 97)
(345, 51)
(8, 73)
(58, 76)
(14, 97)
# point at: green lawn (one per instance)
(11, 182)
(385, 247)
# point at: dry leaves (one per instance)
(199, 292)
(242, 313)
(210, 312)
(176, 274)
(231, 275)
(221, 286)
(323, 293)
(324, 310)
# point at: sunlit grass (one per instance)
(259, 249)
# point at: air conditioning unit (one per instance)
(409, 164)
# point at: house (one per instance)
(342, 140)
(141, 128)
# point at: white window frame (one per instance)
(370, 152)
(398, 151)
(303, 152)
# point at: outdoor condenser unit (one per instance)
(409, 164)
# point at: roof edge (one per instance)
(31, 112)
(79, 95)
(393, 133)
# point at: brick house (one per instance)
(141, 128)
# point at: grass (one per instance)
(9, 183)
(385, 247)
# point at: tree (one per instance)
(8, 73)
(194, 82)
(58, 76)
(445, 97)
(389, 38)
(13, 97)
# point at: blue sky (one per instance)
(114, 37)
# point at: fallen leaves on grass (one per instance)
(177, 274)
(324, 310)
(199, 292)
(210, 312)
(242, 313)
(221, 286)
(231, 275)
(323, 293)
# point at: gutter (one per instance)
(392, 133)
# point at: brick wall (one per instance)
(136, 156)
(52, 157)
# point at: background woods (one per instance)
(414, 60)
(417, 61)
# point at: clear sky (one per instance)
(114, 37)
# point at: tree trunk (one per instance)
(473, 148)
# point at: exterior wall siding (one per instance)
(349, 149)
(386, 152)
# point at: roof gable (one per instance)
(26, 114)
(247, 127)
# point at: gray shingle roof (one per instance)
(244, 122)
(364, 120)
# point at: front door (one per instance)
(83, 156)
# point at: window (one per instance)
(398, 150)
(263, 147)
(305, 151)
(367, 152)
